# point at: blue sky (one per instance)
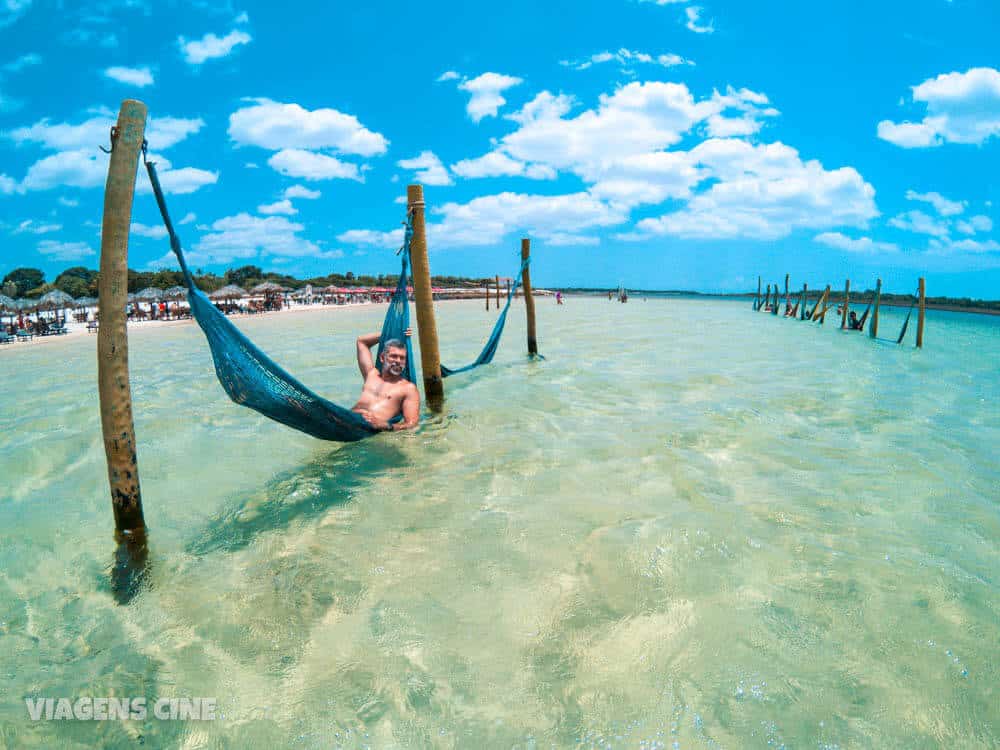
(661, 143)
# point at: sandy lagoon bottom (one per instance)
(690, 526)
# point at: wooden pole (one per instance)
(767, 296)
(507, 293)
(112, 337)
(920, 312)
(756, 304)
(529, 301)
(787, 298)
(805, 301)
(430, 355)
(817, 311)
(847, 302)
(498, 291)
(873, 328)
(774, 307)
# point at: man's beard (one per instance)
(394, 368)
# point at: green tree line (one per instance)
(80, 281)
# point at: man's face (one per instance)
(394, 361)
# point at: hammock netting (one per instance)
(486, 355)
(254, 380)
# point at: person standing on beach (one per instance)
(386, 393)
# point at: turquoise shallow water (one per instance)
(690, 526)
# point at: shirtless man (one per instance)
(387, 393)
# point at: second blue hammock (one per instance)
(490, 350)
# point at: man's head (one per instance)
(393, 357)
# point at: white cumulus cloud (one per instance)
(372, 238)
(430, 170)
(301, 191)
(65, 250)
(941, 204)
(864, 245)
(246, 236)
(34, 227)
(765, 192)
(975, 224)
(309, 165)
(139, 77)
(156, 231)
(486, 90)
(920, 223)
(161, 132)
(210, 46)
(275, 126)
(625, 57)
(693, 13)
(278, 207)
(961, 108)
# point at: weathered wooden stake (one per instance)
(920, 312)
(847, 302)
(430, 355)
(529, 301)
(112, 337)
(498, 291)
(767, 297)
(805, 301)
(756, 303)
(873, 328)
(787, 298)
(818, 311)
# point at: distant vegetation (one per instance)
(82, 282)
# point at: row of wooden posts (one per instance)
(819, 311)
(112, 343)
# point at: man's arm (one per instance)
(411, 409)
(365, 344)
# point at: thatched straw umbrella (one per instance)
(175, 292)
(228, 293)
(269, 289)
(56, 300)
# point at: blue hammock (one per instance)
(254, 380)
(902, 332)
(486, 355)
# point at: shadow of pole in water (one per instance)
(117, 424)
(336, 477)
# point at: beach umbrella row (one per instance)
(232, 291)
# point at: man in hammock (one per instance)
(386, 393)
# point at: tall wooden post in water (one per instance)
(112, 337)
(756, 303)
(847, 302)
(430, 355)
(787, 298)
(873, 326)
(922, 292)
(529, 301)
